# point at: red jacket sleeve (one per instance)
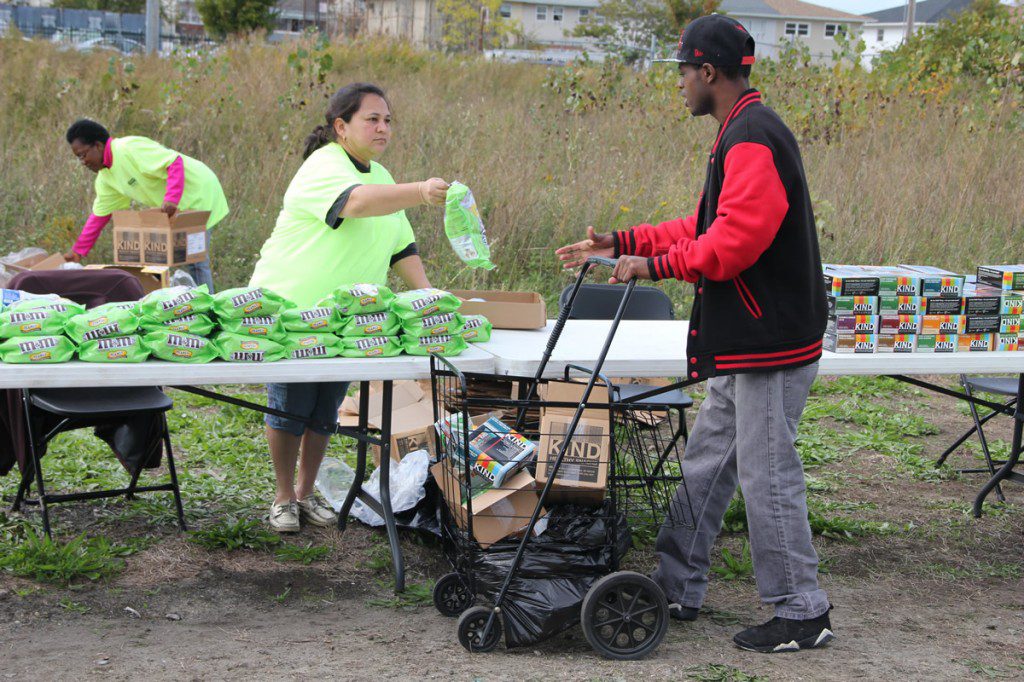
(751, 207)
(654, 240)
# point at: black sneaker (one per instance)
(680, 612)
(784, 634)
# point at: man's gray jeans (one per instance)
(200, 271)
(745, 432)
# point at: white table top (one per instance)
(162, 373)
(658, 349)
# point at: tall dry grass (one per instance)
(902, 181)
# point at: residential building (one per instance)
(771, 22)
(889, 26)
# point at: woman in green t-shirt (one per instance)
(343, 222)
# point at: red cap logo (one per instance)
(697, 53)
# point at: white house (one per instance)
(771, 22)
(889, 26)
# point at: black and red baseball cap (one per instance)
(714, 39)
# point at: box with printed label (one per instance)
(899, 324)
(981, 324)
(152, 238)
(852, 305)
(897, 343)
(850, 343)
(942, 324)
(1004, 277)
(497, 513)
(582, 477)
(841, 280)
(891, 279)
(852, 324)
(938, 282)
(937, 343)
(890, 304)
(975, 342)
(1006, 342)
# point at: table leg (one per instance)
(357, 481)
(385, 486)
(1011, 461)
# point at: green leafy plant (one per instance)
(234, 534)
(302, 554)
(719, 672)
(415, 595)
(735, 567)
(80, 558)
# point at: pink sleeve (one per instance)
(90, 233)
(175, 181)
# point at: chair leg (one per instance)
(174, 476)
(984, 441)
(36, 463)
(24, 485)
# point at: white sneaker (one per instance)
(316, 512)
(284, 518)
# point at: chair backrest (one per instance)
(601, 301)
(87, 287)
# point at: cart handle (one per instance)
(601, 260)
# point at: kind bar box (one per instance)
(852, 305)
(582, 477)
(920, 305)
(852, 324)
(152, 238)
(897, 343)
(1006, 342)
(938, 282)
(497, 512)
(854, 343)
(1003, 277)
(891, 279)
(899, 324)
(986, 300)
(975, 342)
(505, 309)
(991, 324)
(942, 324)
(844, 280)
(937, 343)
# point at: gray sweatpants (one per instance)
(745, 432)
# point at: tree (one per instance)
(125, 6)
(229, 17)
(474, 25)
(626, 27)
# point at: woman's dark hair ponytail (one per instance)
(343, 104)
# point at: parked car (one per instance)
(117, 43)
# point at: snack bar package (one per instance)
(61, 305)
(267, 327)
(200, 325)
(41, 321)
(37, 349)
(110, 319)
(299, 346)
(359, 299)
(320, 320)
(242, 348)
(476, 329)
(166, 304)
(438, 345)
(423, 303)
(114, 349)
(179, 347)
(371, 324)
(434, 325)
(370, 347)
(465, 229)
(247, 302)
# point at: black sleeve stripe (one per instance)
(334, 217)
(411, 250)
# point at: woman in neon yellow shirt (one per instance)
(138, 169)
(343, 222)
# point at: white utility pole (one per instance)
(910, 18)
(152, 26)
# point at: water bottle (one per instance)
(333, 480)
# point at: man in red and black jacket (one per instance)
(759, 313)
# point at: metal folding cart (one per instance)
(541, 538)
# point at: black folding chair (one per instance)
(601, 302)
(1004, 386)
(77, 408)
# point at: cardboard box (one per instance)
(897, 343)
(850, 343)
(852, 305)
(583, 475)
(991, 324)
(505, 309)
(938, 282)
(937, 343)
(497, 512)
(152, 238)
(852, 324)
(970, 343)
(899, 324)
(37, 262)
(1003, 277)
(1008, 342)
(152, 277)
(891, 279)
(844, 280)
(942, 324)
(412, 418)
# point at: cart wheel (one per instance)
(451, 596)
(472, 624)
(624, 616)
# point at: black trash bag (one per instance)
(558, 567)
(426, 515)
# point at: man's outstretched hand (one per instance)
(575, 255)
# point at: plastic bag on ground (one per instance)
(180, 278)
(407, 487)
(333, 480)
